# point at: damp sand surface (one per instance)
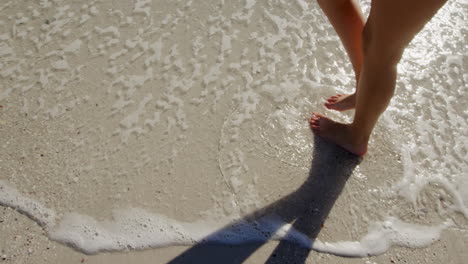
(176, 131)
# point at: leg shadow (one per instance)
(330, 170)
(306, 209)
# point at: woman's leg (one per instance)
(392, 24)
(348, 22)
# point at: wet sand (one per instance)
(198, 111)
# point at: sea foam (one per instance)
(137, 229)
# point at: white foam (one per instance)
(110, 30)
(433, 131)
(73, 47)
(10, 197)
(137, 229)
(382, 236)
(133, 118)
(142, 7)
(60, 65)
(286, 91)
(5, 49)
(274, 66)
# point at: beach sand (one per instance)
(197, 112)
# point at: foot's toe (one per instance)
(313, 121)
(315, 125)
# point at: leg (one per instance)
(392, 24)
(348, 22)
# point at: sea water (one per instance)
(100, 98)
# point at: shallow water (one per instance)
(197, 112)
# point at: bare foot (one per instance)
(338, 133)
(341, 102)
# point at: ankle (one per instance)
(358, 134)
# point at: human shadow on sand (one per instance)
(305, 209)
